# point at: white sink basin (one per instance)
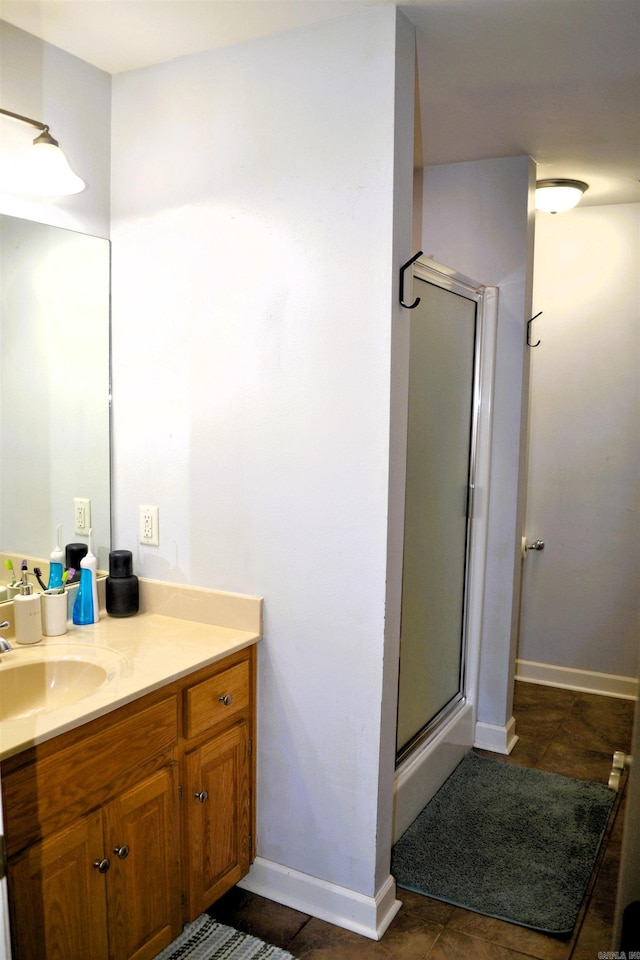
(38, 681)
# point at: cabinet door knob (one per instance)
(202, 796)
(227, 699)
(121, 852)
(102, 865)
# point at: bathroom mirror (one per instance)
(54, 388)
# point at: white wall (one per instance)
(253, 282)
(478, 219)
(47, 84)
(581, 603)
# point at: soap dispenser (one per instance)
(27, 613)
(56, 562)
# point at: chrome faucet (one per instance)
(5, 646)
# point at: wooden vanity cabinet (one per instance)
(120, 831)
(69, 903)
(218, 835)
(218, 782)
(142, 835)
(58, 902)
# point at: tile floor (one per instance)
(561, 731)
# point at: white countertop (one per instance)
(142, 653)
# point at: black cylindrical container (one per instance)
(122, 593)
(73, 554)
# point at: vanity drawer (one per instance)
(219, 699)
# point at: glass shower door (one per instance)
(441, 415)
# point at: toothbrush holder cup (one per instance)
(54, 613)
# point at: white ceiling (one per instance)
(556, 79)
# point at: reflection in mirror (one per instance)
(54, 389)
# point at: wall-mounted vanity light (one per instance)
(44, 170)
(556, 196)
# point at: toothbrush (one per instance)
(38, 573)
(65, 577)
(9, 565)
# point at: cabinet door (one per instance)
(58, 898)
(217, 802)
(143, 885)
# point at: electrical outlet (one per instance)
(81, 516)
(148, 524)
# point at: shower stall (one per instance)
(451, 366)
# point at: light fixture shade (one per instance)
(44, 170)
(556, 196)
(47, 172)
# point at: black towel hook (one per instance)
(529, 344)
(404, 266)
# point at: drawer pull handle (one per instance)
(203, 796)
(227, 699)
(121, 852)
(102, 865)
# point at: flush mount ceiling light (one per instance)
(45, 170)
(556, 196)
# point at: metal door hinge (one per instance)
(250, 747)
(3, 857)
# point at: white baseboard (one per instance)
(582, 681)
(498, 739)
(368, 916)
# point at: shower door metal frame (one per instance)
(455, 723)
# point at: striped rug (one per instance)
(206, 939)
